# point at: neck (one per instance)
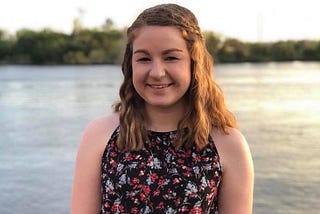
(163, 119)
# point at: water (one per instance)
(43, 110)
(278, 106)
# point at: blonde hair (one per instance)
(205, 101)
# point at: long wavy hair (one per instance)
(206, 108)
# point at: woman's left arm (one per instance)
(236, 191)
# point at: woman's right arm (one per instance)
(86, 191)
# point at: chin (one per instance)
(163, 104)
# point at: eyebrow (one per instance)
(163, 52)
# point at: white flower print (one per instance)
(155, 163)
(170, 211)
(196, 170)
(191, 189)
(109, 185)
(120, 167)
(122, 179)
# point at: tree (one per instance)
(259, 52)
(213, 43)
(6, 44)
(233, 50)
(44, 47)
(283, 51)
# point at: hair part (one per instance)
(206, 108)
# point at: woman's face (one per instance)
(161, 66)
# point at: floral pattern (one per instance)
(160, 178)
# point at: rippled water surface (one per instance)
(43, 110)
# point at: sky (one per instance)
(246, 20)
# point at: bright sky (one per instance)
(247, 20)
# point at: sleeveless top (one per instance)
(160, 178)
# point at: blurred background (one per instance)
(60, 68)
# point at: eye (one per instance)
(171, 58)
(143, 59)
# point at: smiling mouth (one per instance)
(159, 86)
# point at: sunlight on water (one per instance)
(278, 107)
(293, 105)
(44, 109)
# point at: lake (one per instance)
(43, 110)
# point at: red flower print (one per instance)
(160, 178)
(156, 192)
(161, 182)
(135, 181)
(160, 206)
(153, 177)
(117, 208)
(129, 158)
(146, 189)
(196, 210)
(184, 209)
(176, 181)
(134, 210)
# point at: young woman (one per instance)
(171, 145)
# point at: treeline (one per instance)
(105, 45)
(49, 47)
(233, 50)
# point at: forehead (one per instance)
(158, 37)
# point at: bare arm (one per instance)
(236, 192)
(86, 192)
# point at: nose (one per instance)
(158, 70)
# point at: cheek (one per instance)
(134, 80)
(137, 79)
(188, 80)
(186, 77)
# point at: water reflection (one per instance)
(44, 109)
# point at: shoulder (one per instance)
(99, 130)
(86, 185)
(236, 192)
(233, 138)
(102, 125)
(232, 147)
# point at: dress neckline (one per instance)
(162, 132)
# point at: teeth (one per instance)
(159, 86)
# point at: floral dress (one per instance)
(160, 178)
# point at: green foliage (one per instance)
(105, 45)
(282, 51)
(5, 47)
(44, 47)
(259, 52)
(308, 50)
(213, 43)
(233, 50)
(94, 47)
